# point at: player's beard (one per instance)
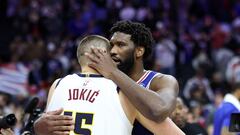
(127, 65)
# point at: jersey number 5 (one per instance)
(81, 119)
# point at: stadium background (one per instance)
(194, 41)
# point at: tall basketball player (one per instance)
(130, 45)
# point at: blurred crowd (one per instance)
(197, 41)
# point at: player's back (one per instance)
(93, 102)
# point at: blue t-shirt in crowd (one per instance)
(222, 117)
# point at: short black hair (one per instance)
(140, 34)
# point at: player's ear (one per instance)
(140, 51)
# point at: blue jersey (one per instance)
(223, 114)
(144, 81)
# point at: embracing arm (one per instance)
(155, 104)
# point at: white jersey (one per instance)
(93, 102)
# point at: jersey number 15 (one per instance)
(81, 119)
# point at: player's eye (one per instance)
(121, 44)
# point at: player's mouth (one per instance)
(116, 60)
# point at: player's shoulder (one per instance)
(164, 78)
(64, 78)
(69, 77)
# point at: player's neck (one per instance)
(88, 70)
(137, 71)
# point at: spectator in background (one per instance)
(234, 42)
(231, 101)
(4, 100)
(165, 52)
(199, 95)
(128, 12)
(220, 35)
(233, 70)
(196, 114)
(221, 59)
(179, 117)
(199, 87)
(229, 105)
(218, 84)
(8, 106)
(6, 132)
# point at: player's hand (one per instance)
(101, 61)
(6, 132)
(52, 123)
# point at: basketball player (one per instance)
(130, 44)
(89, 97)
(158, 91)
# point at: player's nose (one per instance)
(113, 50)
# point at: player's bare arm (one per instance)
(166, 127)
(166, 86)
(155, 104)
(53, 123)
